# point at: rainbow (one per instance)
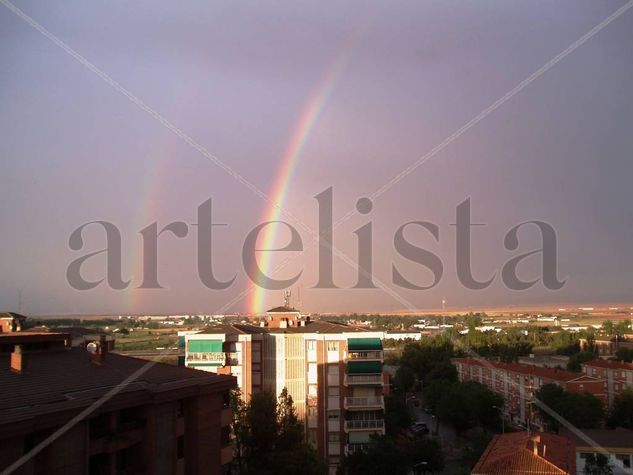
(308, 118)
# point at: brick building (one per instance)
(333, 372)
(617, 374)
(160, 419)
(517, 383)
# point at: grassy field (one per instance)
(147, 340)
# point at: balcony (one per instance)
(377, 425)
(369, 355)
(352, 448)
(233, 359)
(362, 403)
(363, 380)
(216, 358)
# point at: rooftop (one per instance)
(521, 453)
(612, 364)
(283, 309)
(67, 379)
(606, 438)
(549, 373)
(311, 327)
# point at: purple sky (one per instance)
(236, 77)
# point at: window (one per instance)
(333, 415)
(333, 437)
(332, 345)
(333, 391)
(332, 369)
(311, 345)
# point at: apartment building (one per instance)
(606, 347)
(332, 371)
(617, 374)
(517, 383)
(616, 444)
(101, 413)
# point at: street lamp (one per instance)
(503, 424)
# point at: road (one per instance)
(446, 434)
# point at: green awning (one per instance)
(205, 346)
(364, 367)
(181, 342)
(364, 344)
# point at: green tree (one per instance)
(624, 354)
(597, 464)
(577, 359)
(404, 379)
(271, 438)
(583, 410)
(608, 327)
(621, 414)
(239, 428)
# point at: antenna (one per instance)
(20, 301)
(287, 295)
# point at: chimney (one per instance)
(98, 356)
(18, 361)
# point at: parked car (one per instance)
(420, 428)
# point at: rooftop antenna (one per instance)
(287, 295)
(299, 297)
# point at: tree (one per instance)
(466, 405)
(269, 439)
(583, 410)
(622, 410)
(239, 427)
(398, 415)
(385, 454)
(577, 359)
(624, 354)
(608, 327)
(597, 464)
(404, 379)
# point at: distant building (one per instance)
(11, 322)
(545, 361)
(520, 453)
(617, 374)
(402, 335)
(517, 383)
(617, 443)
(161, 420)
(333, 372)
(605, 348)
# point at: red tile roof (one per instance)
(609, 364)
(514, 454)
(549, 373)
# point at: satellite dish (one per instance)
(92, 347)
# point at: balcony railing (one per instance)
(364, 402)
(232, 359)
(221, 358)
(365, 355)
(363, 379)
(367, 424)
(352, 448)
(216, 357)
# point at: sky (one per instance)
(290, 98)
